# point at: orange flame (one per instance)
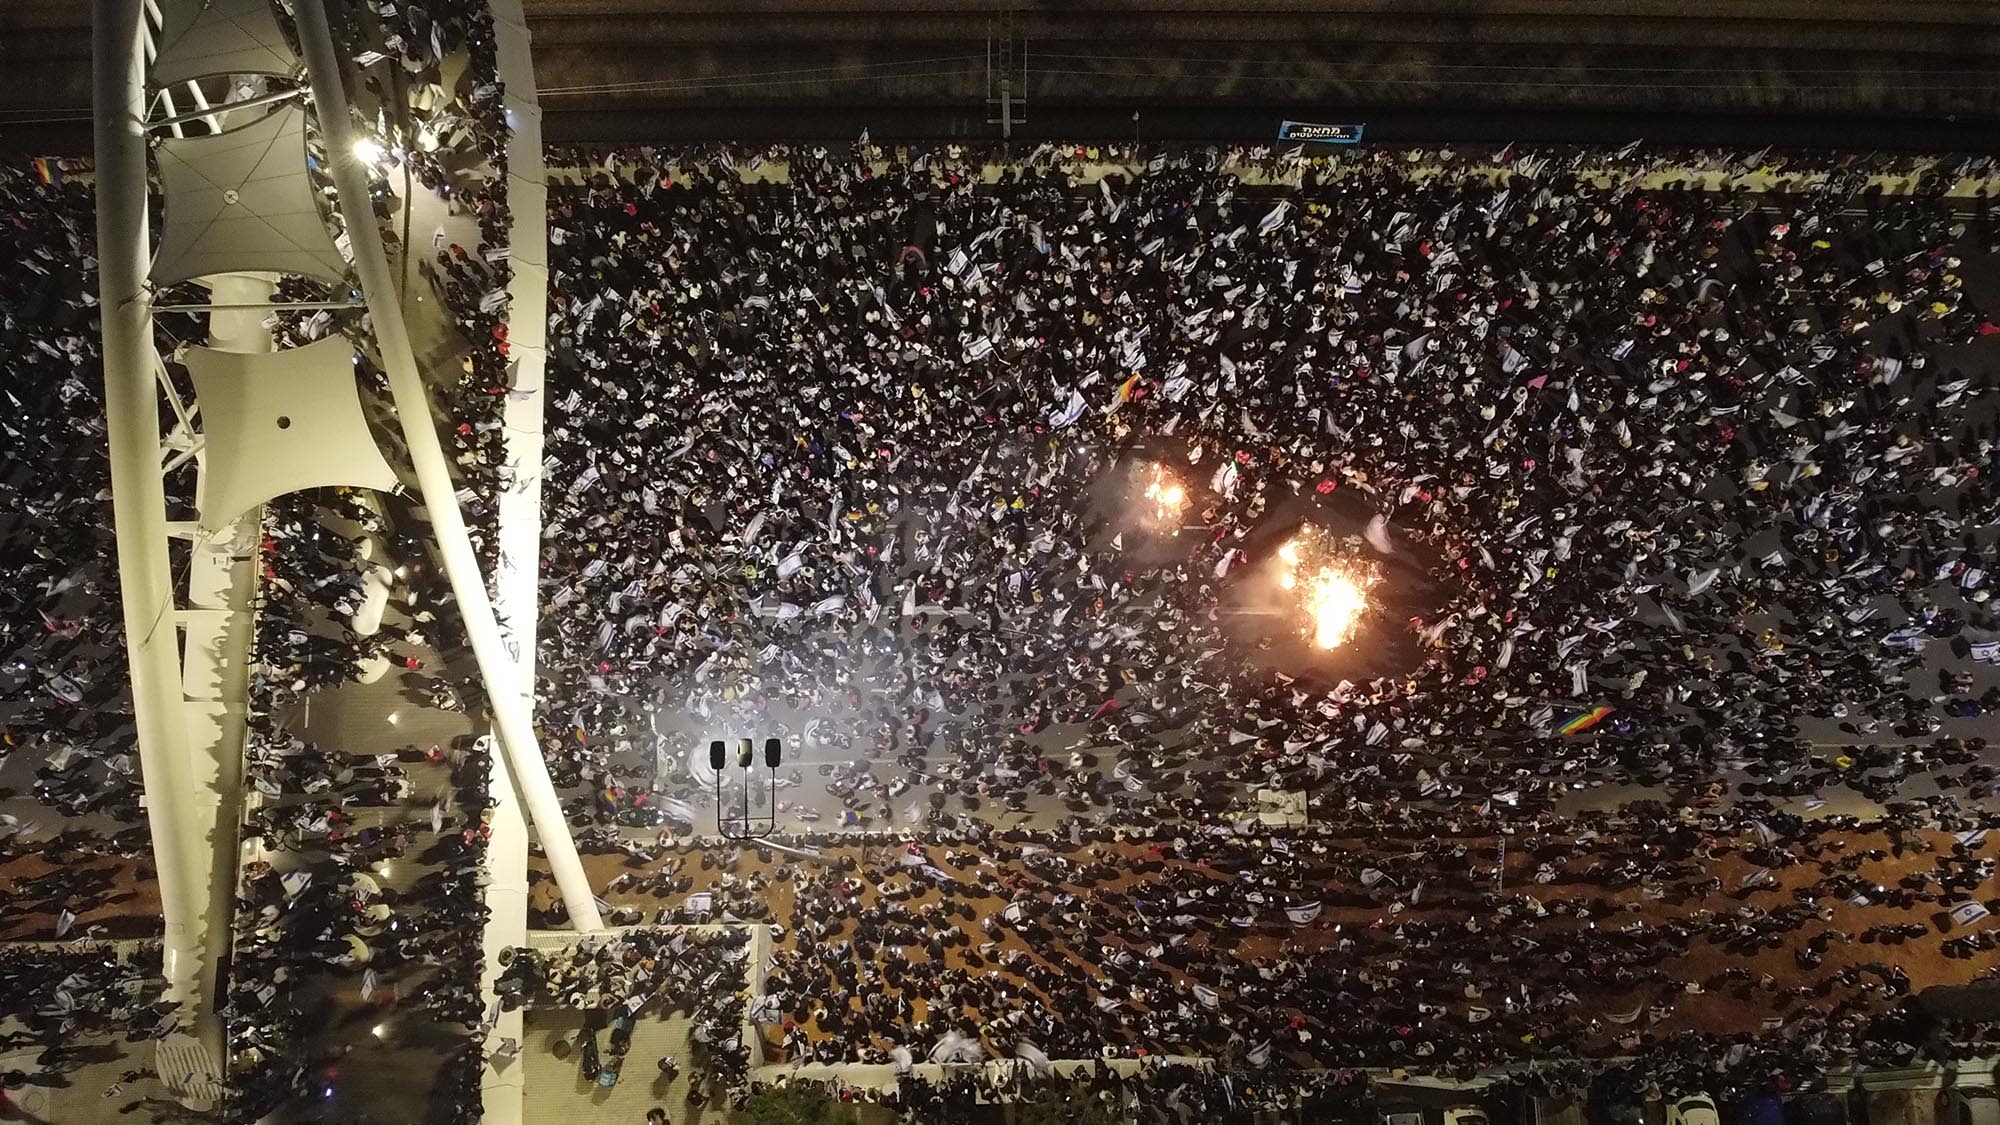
(1335, 591)
(1335, 602)
(1167, 495)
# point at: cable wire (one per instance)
(825, 73)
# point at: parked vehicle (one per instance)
(1693, 1109)
(1963, 1105)
(1464, 1115)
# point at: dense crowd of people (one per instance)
(57, 1000)
(63, 675)
(866, 442)
(1449, 948)
(368, 906)
(863, 435)
(702, 975)
(1682, 490)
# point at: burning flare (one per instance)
(1336, 590)
(1336, 602)
(1167, 496)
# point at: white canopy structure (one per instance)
(198, 38)
(241, 210)
(242, 201)
(278, 422)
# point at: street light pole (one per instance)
(718, 759)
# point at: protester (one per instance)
(1685, 468)
(1443, 946)
(827, 446)
(1687, 496)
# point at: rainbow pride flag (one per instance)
(47, 170)
(1124, 394)
(1584, 720)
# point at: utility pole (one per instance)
(1001, 71)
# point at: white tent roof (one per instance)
(203, 37)
(277, 422)
(240, 201)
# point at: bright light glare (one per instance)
(367, 151)
(1335, 590)
(1289, 555)
(1336, 602)
(1167, 496)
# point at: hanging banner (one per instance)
(1321, 133)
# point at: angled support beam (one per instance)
(175, 118)
(182, 418)
(513, 718)
(182, 457)
(208, 112)
(200, 100)
(263, 306)
(138, 501)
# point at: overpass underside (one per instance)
(1851, 73)
(1846, 73)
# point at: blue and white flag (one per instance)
(1070, 413)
